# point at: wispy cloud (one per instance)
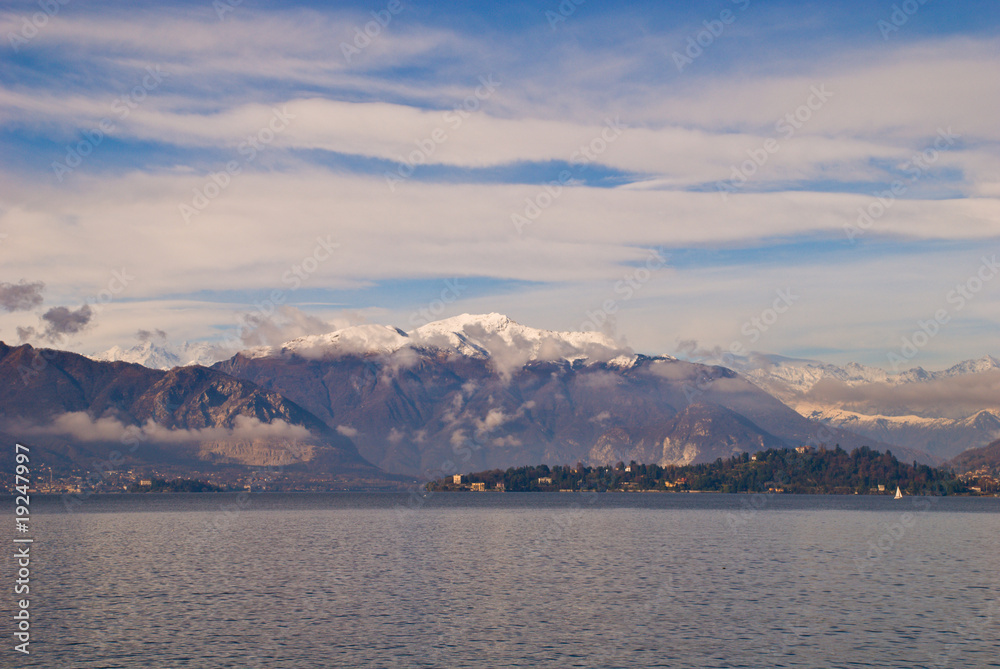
(482, 115)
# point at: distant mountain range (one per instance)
(161, 356)
(468, 393)
(942, 413)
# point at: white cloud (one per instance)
(882, 109)
(347, 431)
(494, 419)
(225, 77)
(79, 425)
(583, 244)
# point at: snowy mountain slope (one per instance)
(488, 392)
(944, 437)
(492, 333)
(786, 377)
(942, 412)
(160, 356)
(495, 337)
(146, 354)
(359, 339)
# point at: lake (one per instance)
(513, 580)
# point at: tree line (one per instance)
(814, 470)
(177, 485)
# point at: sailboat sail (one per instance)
(899, 493)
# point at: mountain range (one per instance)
(940, 412)
(467, 393)
(484, 391)
(75, 411)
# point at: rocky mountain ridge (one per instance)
(488, 392)
(77, 410)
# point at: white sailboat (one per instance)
(899, 493)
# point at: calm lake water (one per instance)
(512, 580)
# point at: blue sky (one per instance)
(526, 158)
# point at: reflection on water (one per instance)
(380, 580)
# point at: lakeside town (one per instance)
(143, 480)
(799, 470)
(803, 470)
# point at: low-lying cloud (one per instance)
(510, 350)
(496, 418)
(347, 431)
(286, 323)
(955, 397)
(80, 426)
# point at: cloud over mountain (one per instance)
(944, 397)
(610, 152)
(79, 425)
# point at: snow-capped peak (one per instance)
(495, 337)
(361, 339)
(978, 366)
(146, 354)
(157, 356)
(503, 340)
(786, 378)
